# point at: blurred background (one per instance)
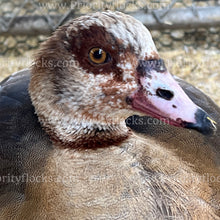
(186, 33)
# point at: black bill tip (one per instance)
(204, 123)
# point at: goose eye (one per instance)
(98, 55)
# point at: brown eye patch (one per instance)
(84, 40)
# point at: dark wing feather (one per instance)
(23, 143)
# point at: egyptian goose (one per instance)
(66, 151)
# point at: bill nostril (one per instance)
(165, 94)
(128, 100)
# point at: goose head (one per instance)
(96, 71)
